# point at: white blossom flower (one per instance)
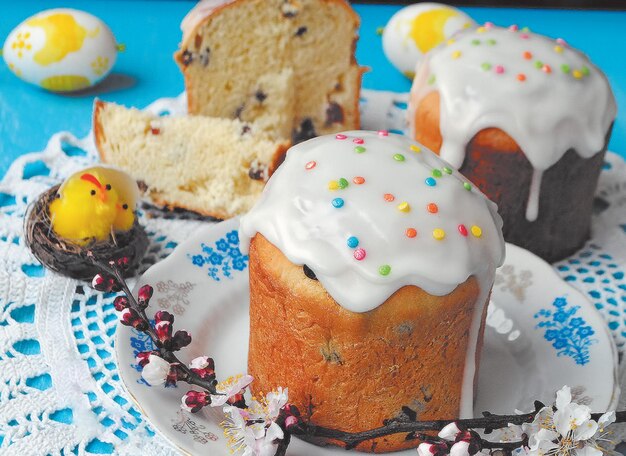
(449, 431)
(253, 431)
(156, 370)
(460, 449)
(229, 388)
(568, 430)
(201, 362)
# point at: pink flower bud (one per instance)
(144, 295)
(163, 315)
(120, 303)
(123, 263)
(291, 421)
(163, 331)
(449, 432)
(193, 401)
(104, 283)
(143, 358)
(181, 339)
(130, 317)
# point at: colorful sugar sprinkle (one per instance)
(432, 208)
(527, 55)
(491, 42)
(384, 270)
(410, 232)
(565, 68)
(389, 197)
(359, 254)
(343, 183)
(431, 79)
(481, 29)
(404, 207)
(524, 36)
(436, 173)
(338, 202)
(447, 170)
(538, 64)
(340, 136)
(415, 148)
(475, 42)
(499, 69)
(584, 70)
(577, 74)
(359, 149)
(476, 231)
(430, 182)
(513, 28)
(439, 234)
(546, 69)
(486, 66)
(456, 54)
(358, 141)
(358, 180)
(310, 165)
(398, 157)
(352, 242)
(467, 186)
(521, 77)
(463, 230)
(333, 185)
(558, 49)
(383, 133)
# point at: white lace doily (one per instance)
(60, 393)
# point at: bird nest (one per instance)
(78, 261)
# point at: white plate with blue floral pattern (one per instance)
(541, 334)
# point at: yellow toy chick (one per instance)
(92, 204)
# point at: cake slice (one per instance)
(212, 166)
(297, 56)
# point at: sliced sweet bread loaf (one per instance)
(291, 60)
(212, 166)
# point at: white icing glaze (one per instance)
(296, 214)
(198, 13)
(551, 111)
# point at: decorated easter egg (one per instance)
(416, 29)
(61, 50)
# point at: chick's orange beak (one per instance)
(94, 180)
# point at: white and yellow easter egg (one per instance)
(416, 29)
(61, 50)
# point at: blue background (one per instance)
(146, 70)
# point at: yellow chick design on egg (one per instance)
(90, 206)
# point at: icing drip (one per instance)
(548, 97)
(532, 206)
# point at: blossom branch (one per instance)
(142, 323)
(265, 426)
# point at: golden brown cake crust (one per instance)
(351, 370)
(497, 165)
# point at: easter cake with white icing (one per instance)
(525, 117)
(287, 65)
(371, 265)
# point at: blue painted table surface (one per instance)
(146, 70)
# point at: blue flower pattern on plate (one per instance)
(140, 342)
(222, 258)
(569, 335)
